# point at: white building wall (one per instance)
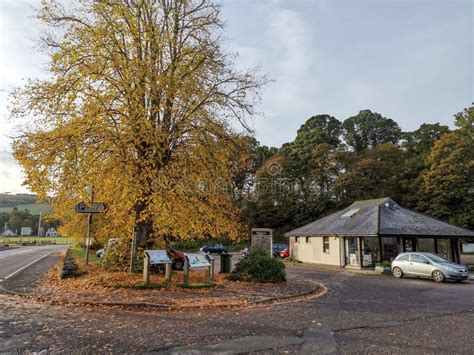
(310, 250)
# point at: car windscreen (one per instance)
(436, 258)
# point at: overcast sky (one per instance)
(409, 60)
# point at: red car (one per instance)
(285, 253)
(177, 259)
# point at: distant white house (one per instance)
(51, 232)
(26, 231)
(8, 233)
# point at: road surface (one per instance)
(15, 260)
(360, 314)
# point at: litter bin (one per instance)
(226, 263)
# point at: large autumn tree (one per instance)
(140, 104)
(449, 175)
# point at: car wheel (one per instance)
(397, 272)
(178, 264)
(438, 276)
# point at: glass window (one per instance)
(296, 239)
(436, 258)
(352, 251)
(308, 240)
(417, 258)
(444, 248)
(426, 245)
(389, 248)
(370, 251)
(326, 244)
(405, 257)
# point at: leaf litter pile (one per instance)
(97, 286)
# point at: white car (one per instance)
(100, 253)
(428, 265)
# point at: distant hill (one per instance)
(23, 202)
(10, 200)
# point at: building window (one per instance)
(308, 240)
(326, 244)
(296, 240)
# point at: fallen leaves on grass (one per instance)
(98, 286)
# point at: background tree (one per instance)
(449, 177)
(368, 129)
(319, 129)
(417, 146)
(140, 104)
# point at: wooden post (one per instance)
(186, 271)
(208, 275)
(89, 227)
(146, 269)
(133, 251)
(168, 273)
(212, 269)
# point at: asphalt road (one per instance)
(15, 259)
(359, 314)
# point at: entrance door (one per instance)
(409, 244)
(352, 251)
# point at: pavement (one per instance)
(360, 314)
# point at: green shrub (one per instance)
(259, 267)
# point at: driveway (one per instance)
(359, 314)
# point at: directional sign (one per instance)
(95, 207)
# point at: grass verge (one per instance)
(80, 253)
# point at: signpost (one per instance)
(92, 207)
(153, 257)
(262, 238)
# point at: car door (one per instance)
(420, 265)
(403, 262)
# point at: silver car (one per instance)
(428, 265)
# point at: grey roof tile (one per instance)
(380, 216)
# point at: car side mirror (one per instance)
(427, 262)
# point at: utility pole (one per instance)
(89, 226)
(39, 226)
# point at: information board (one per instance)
(158, 257)
(262, 238)
(197, 260)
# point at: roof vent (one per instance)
(351, 213)
(390, 204)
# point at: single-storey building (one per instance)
(371, 231)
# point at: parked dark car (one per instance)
(177, 259)
(277, 248)
(285, 253)
(214, 249)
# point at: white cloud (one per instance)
(11, 176)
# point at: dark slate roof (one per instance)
(401, 221)
(380, 216)
(363, 223)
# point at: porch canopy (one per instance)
(385, 219)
